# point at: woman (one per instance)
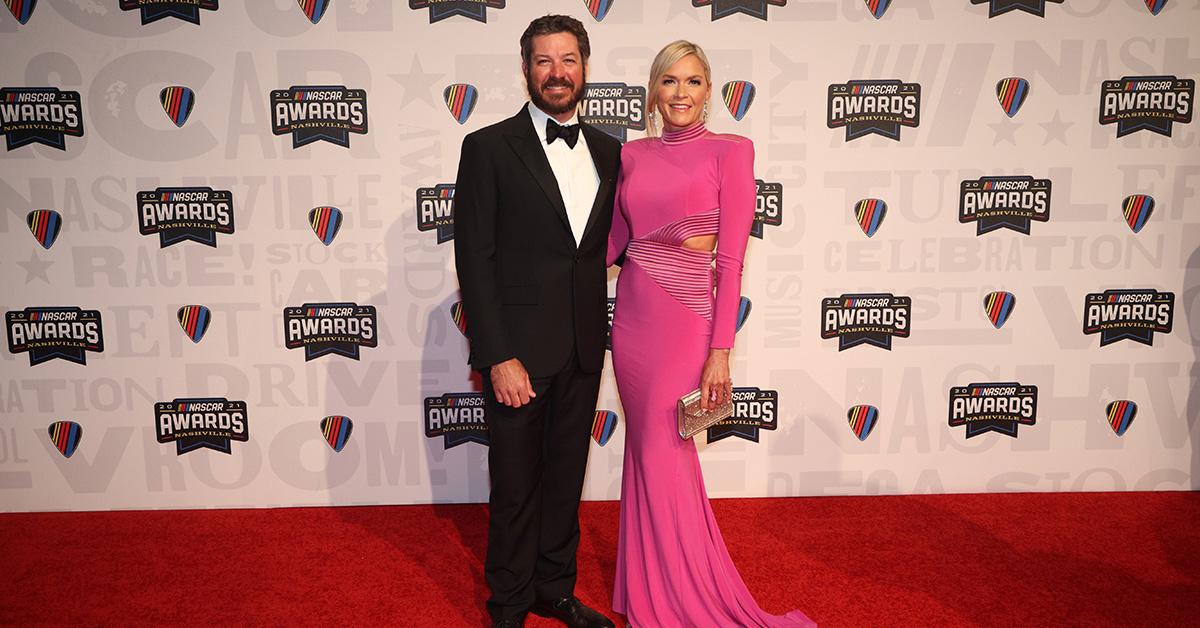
(679, 196)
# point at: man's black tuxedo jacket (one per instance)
(528, 292)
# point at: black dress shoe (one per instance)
(572, 612)
(509, 622)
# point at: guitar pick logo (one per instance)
(177, 101)
(1012, 93)
(460, 100)
(1154, 5)
(45, 224)
(863, 420)
(325, 221)
(23, 9)
(459, 317)
(743, 314)
(603, 426)
(598, 8)
(1120, 415)
(194, 320)
(66, 436)
(878, 7)
(1137, 209)
(869, 214)
(336, 430)
(738, 95)
(999, 306)
(314, 10)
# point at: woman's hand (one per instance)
(715, 385)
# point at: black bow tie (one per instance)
(569, 132)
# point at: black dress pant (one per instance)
(537, 457)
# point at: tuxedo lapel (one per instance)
(605, 163)
(526, 144)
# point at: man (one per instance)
(533, 206)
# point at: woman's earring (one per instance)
(706, 112)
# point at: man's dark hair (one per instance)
(550, 24)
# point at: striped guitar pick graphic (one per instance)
(177, 101)
(1137, 209)
(1120, 415)
(45, 224)
(325, 221)
(999, 306)
(869, 214)
(1154, 5)
(863, 420)
(460, 100)
(65, 435)
(336, 430)
(603, 426)
(314, 10)
(878, 7)
(194, 320)
(598, 8)
(21, 9)
(738, 95)
(1012, 92)
(459, 317)
(743, 314)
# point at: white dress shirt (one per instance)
(577, 178)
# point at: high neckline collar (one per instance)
(679, 136)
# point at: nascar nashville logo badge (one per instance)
(183, 214)
(435, 211)
(458, 418)
(1004, 202)
(614, 108)
(1128, 315)
(878, 107)
(39, 115)
(324, 328)
(1146, 103)
(998, 408)
(154, 10)
(319, 113)
(196, 423)
(753, 410)
(768, 206)
(865, 319)
(46, 333)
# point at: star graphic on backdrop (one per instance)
(417, 84)
(35, 268)
(1056, 129)
(1005, 130)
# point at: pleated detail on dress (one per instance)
(685, 274)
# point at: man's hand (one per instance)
(510, 380)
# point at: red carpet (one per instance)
(1097, 559)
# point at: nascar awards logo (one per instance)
(725, 8)
(993, 407)
(768, 206)
(753, 410)
(442, 9)
(154, 10)
(614, 108)
(1000, 7)
(435, 211)
(879, 107)
(183, 214)
(1004, 202)
(1146, 103)
(870, 319)
(323, 328)
(458, 418)
(1128, 315)
(39, 115)
(612, 309)
(46, 333)
(195, 423)
(319, 113)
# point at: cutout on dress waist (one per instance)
(706, 243)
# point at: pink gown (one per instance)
(672, 565)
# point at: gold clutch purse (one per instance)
(693, 420)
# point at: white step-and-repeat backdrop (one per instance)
(228, 261)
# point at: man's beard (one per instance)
(535, 95)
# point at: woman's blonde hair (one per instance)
(667, 57)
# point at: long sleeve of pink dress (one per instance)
(673, 305)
